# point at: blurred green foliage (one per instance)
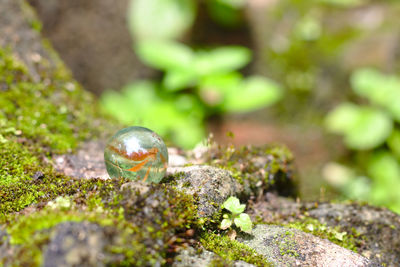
(344, 3)
(312, 47)
(373, 129)
(308, 46)
(157, 19)
(196, 84)
(226, 12)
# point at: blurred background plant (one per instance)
(200, 66)
(372, 131)
(197, 83)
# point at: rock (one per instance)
(134, 224)
(75, 244)
(210, 185)
(375, 230)
(379, 228)
(6, 251)
(16, 32)
(100, 60)
(87, 162)
(140, 186)
(191, 258)
(291, 247)
(175, 158)
(267, 168)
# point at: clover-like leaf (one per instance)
(340, 235)
(165, 55)
(379, 88)
(221, 60)
(243, 221)
(225, 224)
(233, 205)
(254, 93)
(176, 80)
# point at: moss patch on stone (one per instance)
(334, 234)
(141, 226)
(17, 195)
(231, 250)
(51, 115)
(287, 246)
(268, 168)
(37, 119)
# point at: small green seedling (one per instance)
(240, 219)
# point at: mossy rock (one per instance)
(46, 115)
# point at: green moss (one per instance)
(30, 234)
(50, 113)
(25, 191)
(30, 15)
(288, 246)
(334, 234)
(219, 262)
(232, 250)
(140, 227)
(55, 113)
(270, 165)
(37, 119)
(17, 164)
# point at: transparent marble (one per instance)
(136, 153)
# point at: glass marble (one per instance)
(136, 153)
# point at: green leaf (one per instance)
(227, 13)
(243, 221)
(189, 132)
(225, 224)
(176, 80)
(233, 3)
(215, 88)
(308, 29)
(362, 127)
(359, 187)
(340, 235)
(384, 169)
(165, 55)
(342, 118)
(379, 89)
(394, 142)
(126, 106)
(224, 83)
(160, 19)
(254, 93)
(220, 60)
(177, 119)
(233, 205)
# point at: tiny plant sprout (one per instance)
(237, 217)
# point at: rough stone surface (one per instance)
(16, 32)
(378, 227)
(93, 40)
(191, 258)
(291, 247)
(5, 248)
(211, 185)
(87, 162)
(75, 244)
